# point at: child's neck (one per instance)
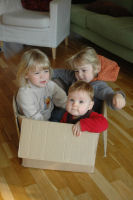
(75, 117)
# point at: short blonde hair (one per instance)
(85, 56)
(32, 59)
(82, 86)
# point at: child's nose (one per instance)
(74, 103)
(80, 74)
(42, 75)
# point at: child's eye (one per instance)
(81, 101)
(36, 73)
(71, 100)
(76, 71)
(46, 71)
(84, 70)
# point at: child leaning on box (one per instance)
(95, 69)
(79, 110)
(38, 96)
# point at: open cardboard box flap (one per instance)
(51, 145)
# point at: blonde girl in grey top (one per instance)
(37, 94)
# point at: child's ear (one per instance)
(91, 105)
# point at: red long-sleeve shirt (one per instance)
(96, 122)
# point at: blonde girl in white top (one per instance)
(38, 97)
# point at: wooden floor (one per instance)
(113, 177)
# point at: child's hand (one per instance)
(76, 129)
(119, 101)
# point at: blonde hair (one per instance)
(82, 86)
(32, 59)
(85, 56)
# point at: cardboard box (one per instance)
(51, 145)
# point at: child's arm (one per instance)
(103, 92)
(63, 77)
(76, 129)
(26, 105)
(119, 101)
(96, 123)
(59, 96)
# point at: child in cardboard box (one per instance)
(38, 96)
(95, 69)
(79, 110)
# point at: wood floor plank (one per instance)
(23, 173)
(7, 150)
(14, 184)
(84, 196)
(66, 193)
(48, 189)
(124, 176)
(72, 182)
(90, 187)
(5, 190)
(123, 190)
(4, 161)
(56, 178)
(105, 186)
(34, 192)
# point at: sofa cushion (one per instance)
(119, 30)
(27, 18)
(38, 5)
(109, 8)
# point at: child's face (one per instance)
(84, 73)
(38, 78)
(78, 103)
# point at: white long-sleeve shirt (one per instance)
(38, 103)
